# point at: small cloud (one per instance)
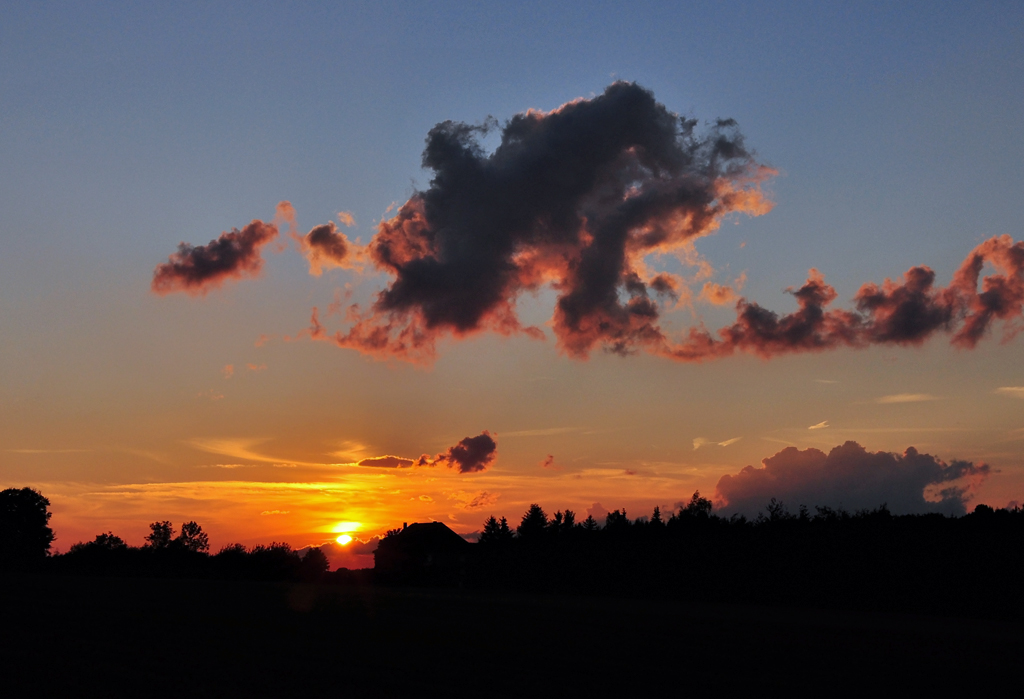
(470, 455)
(598, 512)
(473, 501)
(701, 442)
(262, 340)
(387, 462)
(907, 398)
(1012, 391)
(426, 498)
(210, 394)
(256, 367)
(346, 219)
(820, 426)
(275, 512)
(228, 371)
(629, 472)
(549, 463)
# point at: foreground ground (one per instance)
(124, 637)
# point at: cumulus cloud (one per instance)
(851, 477)
(576, 197)
(325, 246)
(234, 255)
(598, 511)
(470, 455)
(581, 199)
(387, 462)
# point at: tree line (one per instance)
(829, 558)
(869, 559)
(26, 538)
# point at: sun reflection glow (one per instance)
(342, 527)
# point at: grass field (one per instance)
(125, 637)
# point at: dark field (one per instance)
(125, 637)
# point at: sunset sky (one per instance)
(874, 140)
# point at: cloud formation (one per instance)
(325, 247)
(581, 200)
(853, 478)
(473, 501)
(699, 442)
(470, 455)
(576, 197)
(905, 313)
(234, 255)
(387, 462)
(1014, 391)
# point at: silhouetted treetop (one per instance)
(24, 534)
(160, 535)
(535, 521)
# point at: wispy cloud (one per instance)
(820, 426)
(547, 431)
(825, 381)
(699, 442)
(1013, 391)
(243, 450)
(907, 398)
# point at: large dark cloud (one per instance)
(576, 197)
(234, 255)
(853, 478)
(469, 455)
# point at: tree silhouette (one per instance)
(24, 534)
(160, 536)
(697, 507)
(535, 521)
(102, 542)
(314, 565)
(193, 538)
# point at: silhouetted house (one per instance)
(426, 553)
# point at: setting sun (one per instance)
(344, 539)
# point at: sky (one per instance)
(868, 140)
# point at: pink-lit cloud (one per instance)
(236, 254)
(853, 478)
